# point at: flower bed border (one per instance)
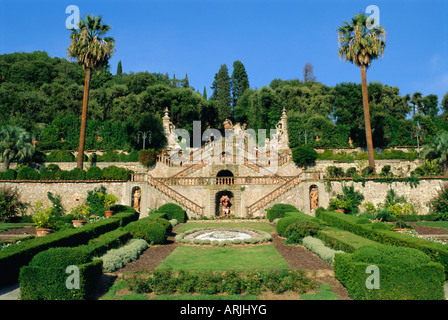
(264, 237)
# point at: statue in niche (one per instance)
(225, 202)
(136, 200)
(314, 198)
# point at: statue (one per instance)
(228, 124)
(282, 131)
(225, 201)
(314, 197)
(136, 200)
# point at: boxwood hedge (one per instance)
(12, 258)
(436, 251)
(403, 274)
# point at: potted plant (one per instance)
(109, 200)
(80, 213)
(339, 205)
(43, 218)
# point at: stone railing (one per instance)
(195, 181)
(257, 205)
(176, 196)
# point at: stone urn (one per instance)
(42, 232)
(78, 223)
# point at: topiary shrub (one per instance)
(94, 173)
(147, 229)
(283, 223)
(60, 258)
(116, 173)
(74, 174)
(404, 274)
(9, 174)
(27, 173)
(173, 211)
(279, 211)
(298, 230)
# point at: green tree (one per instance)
(360, 42)
(240, 81)
(445, 103)
(92, 51)
(15, 145)
(437, 150)
(221, 93)
(119, 69)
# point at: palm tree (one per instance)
(360, 42)
(92, 51)
(15, 145)
(437, 150)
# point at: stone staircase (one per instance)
(184, 202)
(273, 196)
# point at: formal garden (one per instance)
(73, 125)
(286, 255)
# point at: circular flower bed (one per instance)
(223, 236)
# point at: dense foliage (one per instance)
(43, 95)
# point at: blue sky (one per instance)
(274, 39)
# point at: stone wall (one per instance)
(72, 193)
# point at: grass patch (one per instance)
(262, 226)
(205, 297)
(7, 226)
(211, 258)
(438, 224)
(324, 293)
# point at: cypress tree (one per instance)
(221, 93)
(119, 69)
(204, 94)
(240, 81)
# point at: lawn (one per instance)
(263, 226)
(439, 224)
(7, 226)
(235, 258)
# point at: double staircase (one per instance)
(274, 195)
(205, 154)
(184, 202)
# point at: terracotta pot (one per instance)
(339, 210)
(78, 223)
(42, 232)
(108, 213)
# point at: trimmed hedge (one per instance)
(404, 274)
(436, 251)
(290, 218)
(12, 258)
(173, 211)
(342, 240)
(279, 211)
(35, 284)
(35, 277)
(147, 229)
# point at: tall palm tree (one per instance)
(92, 51)
(360, 42)
(15, 145)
